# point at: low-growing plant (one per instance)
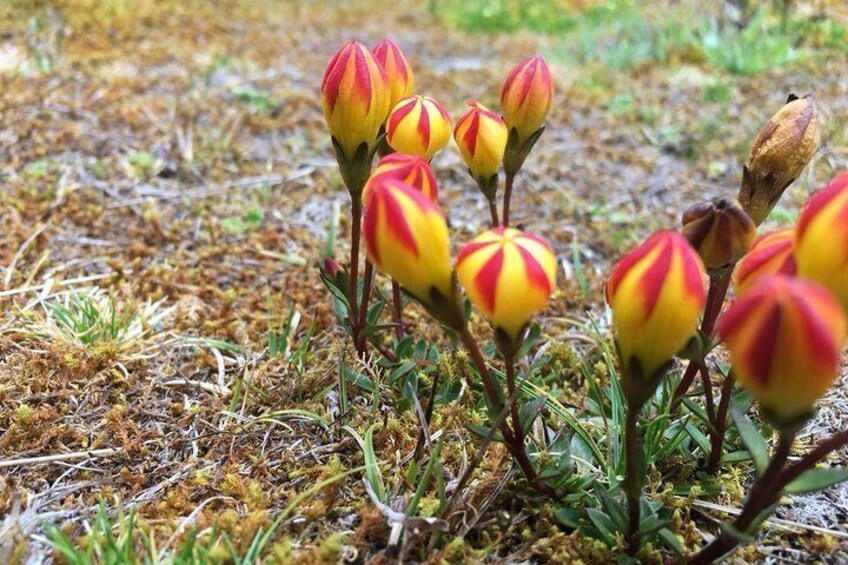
(593, 463)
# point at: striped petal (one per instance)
(406, 237)
(821, 248)
(398, 71)
(784, 336)
(481, 136)
(656, 293)
(355, 96)
(418, 126)
(526, 96)
(772, 254)
(508, 275)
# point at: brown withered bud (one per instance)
(720, 230)
(784, 146)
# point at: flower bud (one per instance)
(418, 126)
(409, 169)
(784, 338)
(509, 276)
(331, 268)
(821, 247)
(406, 237)
(772, 254)
(481, 137)
(656, 293)
(719, 230)
(526, 97)
(398, 71)
(784, 146)
(355, 96)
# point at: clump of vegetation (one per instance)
(657, 294)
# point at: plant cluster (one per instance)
(783, 332)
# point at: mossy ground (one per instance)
(168, 160)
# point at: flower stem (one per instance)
(720, 424)
(355, 234)
(362, 324)
(513, 438)
(397, 310)
(808, 461)
(632, 479)
(719, 285)
(493, 211)
(764, 492)
(510, 178)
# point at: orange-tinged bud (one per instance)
(821, 247)
(784, 146)
(398, 71)
(406, 237)
(509, 276)
(772, 254)
(481, 137)
(418, 125)
(526, 97)
(656, 293)
(355, 95)
(720, 231)
(410, 169)
(784, 338)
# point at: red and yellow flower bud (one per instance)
(406, 237)
(784, 338)
(418, 125)
(355, 95)
(526, 97)
(784, 146)
(772, 254)
(821, 247)
(720, 231)
(656, 293)
(409, 169)
(481, 136)
(398, 71)
(509, 276)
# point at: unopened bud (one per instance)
(720, 231)
(784, 146)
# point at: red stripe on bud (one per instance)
(784, 338)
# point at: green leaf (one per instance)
(752, 439)
(614, 509)
(603, 523)
(568, 516)
(372, 471)
(698, 437)
(483, 432)
(356, 378)
(528, 412)
(741, 537)
(650, 525)
(736, 456)
(671, 541)
(560, 464)
(817, 479)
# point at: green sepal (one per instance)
(356, 170)
(516, 153)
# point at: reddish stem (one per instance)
(510, 178)
(397, 310)
(719, 285)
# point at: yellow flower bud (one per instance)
(821, 247)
